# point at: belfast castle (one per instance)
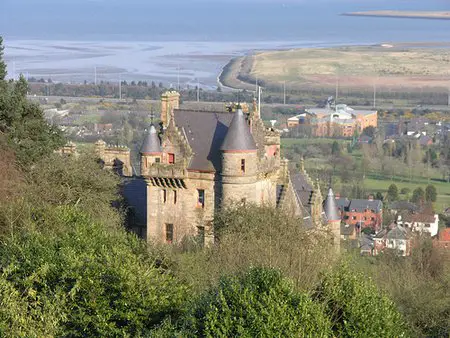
(200, 161)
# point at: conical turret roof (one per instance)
(151, 142)
(330, 207)
(238, 137)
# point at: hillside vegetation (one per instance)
(68, 267)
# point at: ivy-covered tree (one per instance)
(23, 122)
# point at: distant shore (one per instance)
(403, 14)
(417, 66)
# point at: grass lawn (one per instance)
(290, 142)
(374, 182)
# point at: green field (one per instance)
(374, 181)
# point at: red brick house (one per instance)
(361, 213)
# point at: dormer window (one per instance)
(243, 166)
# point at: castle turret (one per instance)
(239, 162)
(150, 150)
(333, 218)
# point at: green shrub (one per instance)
(258, 303)
(357, 307)
(103, 281)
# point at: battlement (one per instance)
(115, 157)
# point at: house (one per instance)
(423, 221)
(366, 245)
(398, 207)
(361, 213)
(396, 238)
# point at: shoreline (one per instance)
(234, 76)
(402, 15)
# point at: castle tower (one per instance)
(333, 218)
(170, 100)
(239, 162)
(150, 150)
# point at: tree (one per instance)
(257, 303)
(379, 196)
(23, 122)
(430, 193)
(418, 195)
(356, 307)
(369, 131)
(392, 194)
(335, 149)
(2, 63)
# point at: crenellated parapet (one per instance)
(69, 149)
(115, 157)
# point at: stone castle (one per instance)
(200, 161)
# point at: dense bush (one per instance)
(357, 307)
(258, 303)
(85, 280)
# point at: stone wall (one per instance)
(116, 158)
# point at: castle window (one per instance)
(164, 195)
(201, 198)
(169, 233)
(157, 160)
(243, 165)
(171, 158)
(174, 197)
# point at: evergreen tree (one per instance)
(2, 63)
(392, 193)
(418, 195)
(335, 149)
(23, 122)
(430, 193)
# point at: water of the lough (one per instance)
(68, 40)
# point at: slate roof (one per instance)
(151, 143)
(398, 232)
(419, 218)
(302, 188)
(205, 132)
(403, 205)
(330, 207)
(238, 136)
(359, 205)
